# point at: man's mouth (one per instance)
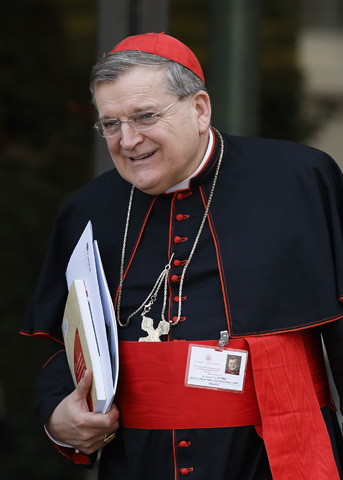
(142, 157)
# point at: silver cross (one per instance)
(153, 333)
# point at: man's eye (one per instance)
(145, 117)
(111, 123)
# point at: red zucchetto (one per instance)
(164, 46)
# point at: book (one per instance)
(85, 264)
(81, 344)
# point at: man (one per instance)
(212, 245)
(232, 365)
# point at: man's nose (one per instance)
(129, 137)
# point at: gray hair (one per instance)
(178, 79)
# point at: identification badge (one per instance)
(218, 369)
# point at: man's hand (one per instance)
(71, 422)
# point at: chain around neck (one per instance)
(163, 277)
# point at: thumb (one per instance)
(84, 385)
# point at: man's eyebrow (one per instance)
(145, 108)
(108, 117)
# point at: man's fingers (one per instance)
(84, 386)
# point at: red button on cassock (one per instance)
(175, 278)
(184, 444)
(182, 195)
(178, 239)
(179, 217)
(185, 471)
(177, 298)
(177, 263)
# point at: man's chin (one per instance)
(151, 188)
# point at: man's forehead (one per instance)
(133, 91)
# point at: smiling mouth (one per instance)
(142, 157)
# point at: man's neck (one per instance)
(185, 183)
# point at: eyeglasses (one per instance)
(110, 127)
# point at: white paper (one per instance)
(82, 265)
(109, 315)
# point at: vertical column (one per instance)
(234, 65)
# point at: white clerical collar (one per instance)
(185, 183)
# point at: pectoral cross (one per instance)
(153, 333)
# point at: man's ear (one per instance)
(203, 109)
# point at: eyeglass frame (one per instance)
(98, 125)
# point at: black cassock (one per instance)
(269, 261)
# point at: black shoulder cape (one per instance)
(276, 212)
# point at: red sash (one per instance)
(152, 394)
(283, 392)
(294, 431)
